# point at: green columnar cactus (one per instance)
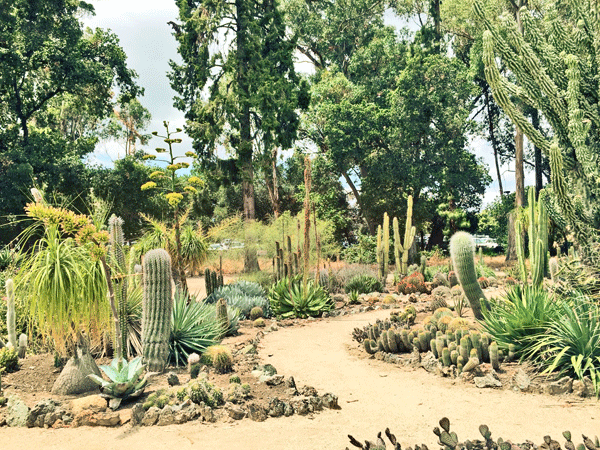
(384, 341)
(370, 346)
(538, 238)
(409, 236)
(473, 361)
(222, 317)
(10, 313)
(392, 341)
(454, 356)
(119, 278)
(423, 265)
(485, 347)
(207, 282)
(520, 248)
(446, 358)
(494, 360)
(380, 256)
(405, 340)
(465, 348)
(476, 343)
(462, 249)
(156, 310)
(423, 341)
(383, 248)
(22, 345)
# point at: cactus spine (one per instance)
(156, 311)
(10, 313)
(119, 276)
(409, 237)
(462, 249)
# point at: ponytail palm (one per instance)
(65, 288)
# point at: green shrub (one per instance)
(9, 360)
(263, 278)
(363, 252)
(336, 279)
(363, 284)
(289, 298)
(520, 318)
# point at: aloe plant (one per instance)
(125, 380)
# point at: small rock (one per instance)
(137, 414)
(97, 419)
(274, 380)
(308, 391)
(430, 363)
(17, 412)
(583, 388)
(93, 403)
(206, 412)
(487, 381)
(249, 349)
(151, 416)
(521, 380)
(276, 407)
(172, 379)
(235, 411)
(257, 412)
(288, 410)
(290, 382)
(559, 387)
(330, 401)
(300, 406)
(315, 403)
(166, 416)
(43, 413)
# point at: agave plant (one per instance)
(290, 297)
(125, 380)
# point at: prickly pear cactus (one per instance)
(156, 310)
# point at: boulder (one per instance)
(487, 381)
(521, 380)
(93, 403)
(257, 412)
(559, 387)
(151, 416)
(235, 411)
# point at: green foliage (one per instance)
(125, 378)
(520, 318)
(363, 252)
(263, 278)
(290, 297)
(363, 284)
(571, 344)
(9, 360)
(493, 219)
(194, 328)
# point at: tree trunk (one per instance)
(493, 140)
(73, 379)
(359, 201)
(519, 170)
(511, 247)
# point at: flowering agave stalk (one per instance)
(125, 380)
(173, 187)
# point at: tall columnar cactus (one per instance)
(156, 309)
(462, 250)
(10, 313)
(409, 237)
(222, 317)
(119, 278)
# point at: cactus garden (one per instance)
(294, 224)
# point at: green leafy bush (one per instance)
(484, 271)
(9, 360)
(194, 328)
(520, 318)
(363, 252)
(336, 280)
(290, 298)
(363, 284)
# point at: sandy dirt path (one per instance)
(373, 395)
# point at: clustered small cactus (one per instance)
(449, 441)
(212, 281)
(448, 338)
(413, 283)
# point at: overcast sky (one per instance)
(141, 26)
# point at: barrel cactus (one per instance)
(156, 311)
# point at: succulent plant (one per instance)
(462, 248)
(156, 311)
(256, 313)
(125, 380)
(219, 357)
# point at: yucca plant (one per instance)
(134, 320)
(571, 344)
(364, 284)
(520, 318)
(290, 297)
(194, 328)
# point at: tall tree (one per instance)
(48, 61)
(237, 80)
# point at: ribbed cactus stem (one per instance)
(397, 244)
(462, 249)
(409, 236)
(520, 251)
(22, 345)
(222, 317)
(11, 323)
(156, 311)
(379, 252)
(386, 245)
(117, 257)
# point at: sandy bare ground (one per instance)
(373, 395)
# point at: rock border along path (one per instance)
(372, 394)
